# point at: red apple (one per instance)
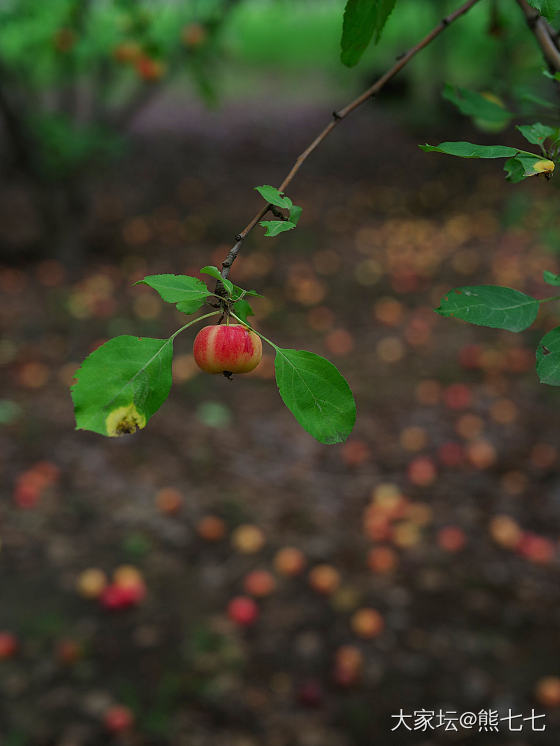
(227, 349)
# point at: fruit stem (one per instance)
(194, 321)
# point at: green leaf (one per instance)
(548, 74)
(122, 384)
(470, 150)
(548, 358)
(526, 96)
(362, 19)
(490, 305)
(476, 105)
(550, 278)
(242, 309)
(237, 292)
(521, 166)
(188, 293)
(515, 171)
(271, 195)
(316, 394)
(295, 214)
(274, 227)
(537, 133)
(215, 273)
(547, 8)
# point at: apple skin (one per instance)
(227, 349)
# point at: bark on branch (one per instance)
(544, 35)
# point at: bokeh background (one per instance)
(414, 566)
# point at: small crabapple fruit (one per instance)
(8, 645)
(118, 718)
(227, 349)
(259, 583)
(243, 611)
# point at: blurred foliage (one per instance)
(75, 71)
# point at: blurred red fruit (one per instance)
(457, 396)
(116, 597)
(422, 471)
(243, 611)
(451, 454)
(118, 719)
(382, 559)
(451, 538)
(8, 645)
(149, 69)
(289, 561)
(469, 356)
(310, 693)
(367, 623)
(324, 579)
(259, 583)
(127, 51)
(536, 548)
(68, 652)
(547, 691)
(355, 452)
(193, 35)
(211, 528)
(348, 665)
(169, 500)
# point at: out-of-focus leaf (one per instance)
(477, 105)
(550, 278)
(548, 358)
(547, 8)
(490, 305)
(362, 19)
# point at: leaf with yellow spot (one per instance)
(544, 167)
(122, 384)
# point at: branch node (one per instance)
(238, 237)
(400, 56)
(336, 116)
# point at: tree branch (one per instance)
(338, 116)
(543, 34)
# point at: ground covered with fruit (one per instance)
(221, 579)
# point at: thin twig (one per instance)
(543, 34)
(338, 116)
